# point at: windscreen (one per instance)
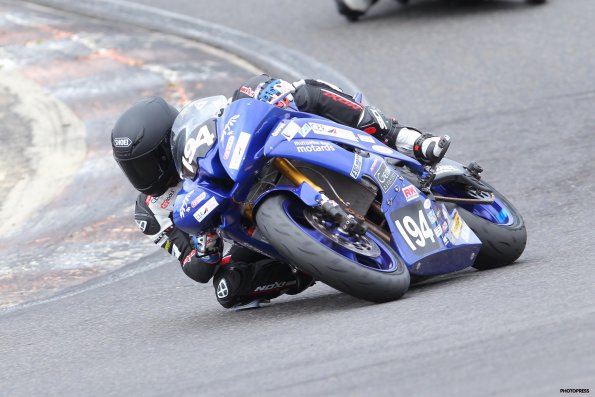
(194, 133)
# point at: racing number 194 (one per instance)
(204, 137)
(415, 233)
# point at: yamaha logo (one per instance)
(122, 142)
(222, 290)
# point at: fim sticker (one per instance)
(206, 209)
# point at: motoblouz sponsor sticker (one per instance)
(309, 146)
(413, 226)
(357, 166)
(385, 176)
(206, 209)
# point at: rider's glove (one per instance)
(209, 246)
(278, 92)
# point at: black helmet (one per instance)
(141, 145)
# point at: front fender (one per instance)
(304, 192)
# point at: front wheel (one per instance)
(501, 229)
(366, 268)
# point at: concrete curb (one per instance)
(271, 57)
(55, 153)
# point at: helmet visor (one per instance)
(145, 171)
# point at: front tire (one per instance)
(281, 219)
(502, 243)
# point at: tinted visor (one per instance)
(147, 170)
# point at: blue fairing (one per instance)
(430, 239)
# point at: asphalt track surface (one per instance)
(514, 86)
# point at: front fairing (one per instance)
(430, 239)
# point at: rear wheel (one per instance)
(365, 267)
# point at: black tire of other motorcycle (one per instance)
(323, 263)
(502, 244)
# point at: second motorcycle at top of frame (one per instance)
(333, 201)
(354, 9)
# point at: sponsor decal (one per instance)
(167, 200)
(198, 199)
(438, 231)
(247, 90)
(357, 166)
(228, 147)
(410, 192)
(184, 208)
(457, 224)
(382, 149)
(322, 129)
(290, 131)
(413, 227)
(222, 289)
(378, 117)
(275, 285)
(444, 226)
(239, 151)
(122, 142)
(385, 176)
(432, 216)
(278, 129)
(188, 258)
(427, 204)
(374, 165)
(148, 199)
(206, 209)
(465, 232)
(308, 146)
(366, 138)
(142, 225)
(227, 130)
(305, 130)
(338, 98)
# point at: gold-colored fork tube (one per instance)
(293, 174)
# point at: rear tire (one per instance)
(317, 257)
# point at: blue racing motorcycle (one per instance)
(333, 201)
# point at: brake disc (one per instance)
(361, 245)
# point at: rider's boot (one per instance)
(426, 148)
(244, 285)
(353, 9)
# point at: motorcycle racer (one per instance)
(141, 140)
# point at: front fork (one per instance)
(348, 220)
